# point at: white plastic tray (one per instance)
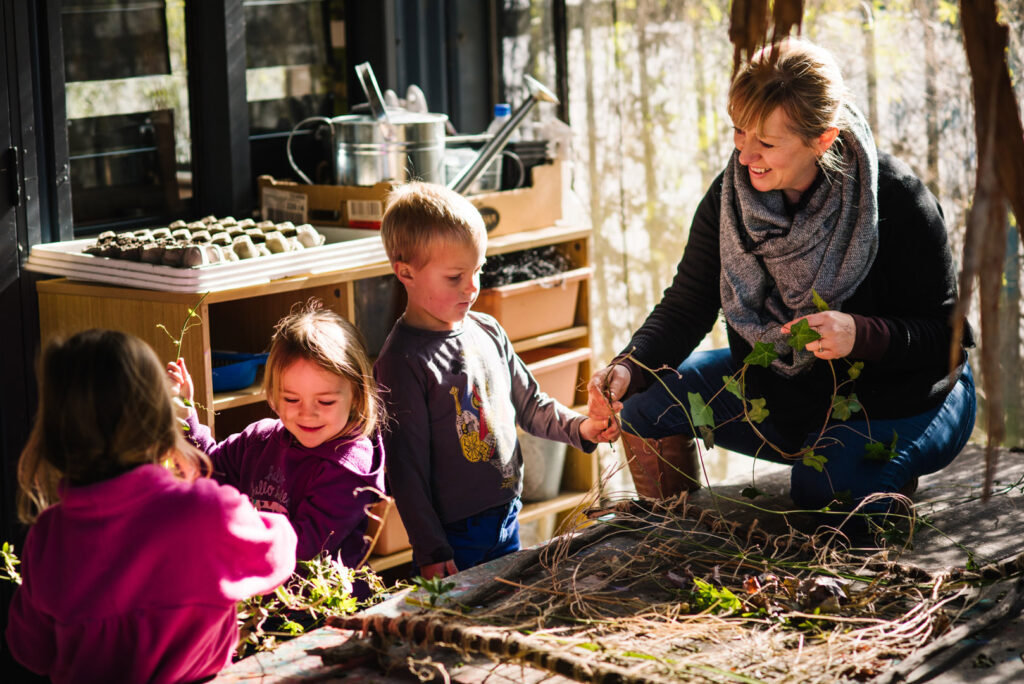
(344, 248)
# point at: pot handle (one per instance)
(288, 145)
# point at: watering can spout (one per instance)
(538, 93)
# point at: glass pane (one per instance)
(122, 167)
(129, 137)
(284, 33)
(292, 47)
(106, 39)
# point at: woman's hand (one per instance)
(442, 569)
(838, 333)
(605, 389)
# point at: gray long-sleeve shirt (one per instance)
(454, 399)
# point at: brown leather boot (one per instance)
(662, 468)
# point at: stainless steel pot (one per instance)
(366, 151)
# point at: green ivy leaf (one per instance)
(820, 303)
(699, 411)
(844, 407)
(757, 412)
(876, 451)
(762, 355)
(732, 385)
(854, 370)
(751, 492)
(801, 334)
(816, 461)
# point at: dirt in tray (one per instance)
(528, 264)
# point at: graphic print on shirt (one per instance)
(475, 435)
(269, 493)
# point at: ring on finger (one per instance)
(821, 346)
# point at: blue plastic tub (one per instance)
(235, 370)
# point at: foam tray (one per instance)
(344, 248)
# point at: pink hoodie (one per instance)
(136, 579)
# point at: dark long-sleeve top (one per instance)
(454, 399)
(902, 312)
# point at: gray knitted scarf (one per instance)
(771, 261)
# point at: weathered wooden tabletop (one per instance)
(959, 526)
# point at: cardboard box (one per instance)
(535, 206)
(535, 307)
(556, 370)
(393, 537)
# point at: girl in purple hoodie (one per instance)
(134, 563)
(320, 462)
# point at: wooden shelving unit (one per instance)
(242, 319)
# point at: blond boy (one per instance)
(455, 391)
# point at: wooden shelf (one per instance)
(578, 332)
(242, 319)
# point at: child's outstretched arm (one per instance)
(593, 430)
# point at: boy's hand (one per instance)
(605, 389)
(181, 384)
(606, 430)
(442, 569)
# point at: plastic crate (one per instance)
(535, 307)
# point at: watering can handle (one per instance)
(288, 145)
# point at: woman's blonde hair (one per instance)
(321, 336)
(421, 214)
(801, 78)
(104, 408)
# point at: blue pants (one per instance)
(485, 536)
(927, 442)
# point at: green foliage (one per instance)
(877, 451)
(700, 413)
(853, 371)
(732, 386)
(844, 407)
(708, 597)
(757, 411)
(814, 460)
(801, 334)
(10, 570)
(820, 303)
(320, 587)
(436, 588)
(761, 355)
(751, 492)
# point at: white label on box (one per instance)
(281, 205)
(365, 211)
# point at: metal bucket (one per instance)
(408, 146)
(364, 156)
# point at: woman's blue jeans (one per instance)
(925, 443)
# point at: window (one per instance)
(128, 111)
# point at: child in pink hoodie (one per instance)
(134, 564)
(321, 462)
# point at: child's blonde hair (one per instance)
(421, 214)
(104, 408)
(321, 336)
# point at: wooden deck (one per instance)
(957, 526)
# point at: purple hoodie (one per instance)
(315, 488)
(136, 579)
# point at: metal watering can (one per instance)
(399, 145)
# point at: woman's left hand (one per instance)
(838, 333)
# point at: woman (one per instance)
(806, 223)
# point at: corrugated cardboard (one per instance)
(536, 206)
